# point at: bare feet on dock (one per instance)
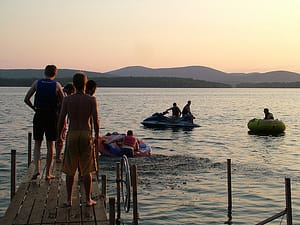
(50, 177)
(91, 202)
(35, 176)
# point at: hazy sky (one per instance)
(103, 35)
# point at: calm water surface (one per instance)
(184, 182)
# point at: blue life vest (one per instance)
(46, 97)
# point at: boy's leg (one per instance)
(49, 159)
(69, 185)
(88, 190)
(37, 158)
(58, 148)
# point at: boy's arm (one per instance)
(61, 120)
(59, 92)
(137, 145)
(29, 94)
(96, 121)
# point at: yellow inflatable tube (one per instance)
(266, 126)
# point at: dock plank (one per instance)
(38, 193)
(87, 211)
(18, 198)
(51, 203)
(14, 206)
(25, 211)
(62, 210)
(97, 195)
(42, 202)
(74, 216)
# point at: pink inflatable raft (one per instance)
(113, 149)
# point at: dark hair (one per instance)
(129, 132)
(90, 87)
(69, 88)
(50, 70)
(79, 81)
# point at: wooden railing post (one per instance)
(118, 181)
(229, 214)
(288, 200)
(13, 174)
(134, 194)
(103, 188)
(112, 211)
(29, 148)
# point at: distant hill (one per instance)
(209, 74)
(202, 73)
(39, 73)
(268, 77)
(195, 72)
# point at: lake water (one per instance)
(184, 182)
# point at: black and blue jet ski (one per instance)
(160, 120)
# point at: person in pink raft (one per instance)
(130, 144)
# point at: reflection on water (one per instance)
(184, 182)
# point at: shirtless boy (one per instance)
(80, 108)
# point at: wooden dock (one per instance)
(43, 202)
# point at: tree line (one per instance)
(147, 82)
(152, 82)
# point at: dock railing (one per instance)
(13, 163)
(287, 211)
(41, 200)
(126, 185)
(126, 179)
(288, 201)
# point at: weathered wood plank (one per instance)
(14, 206)
(62, 210)
(57, 167)
(99, 208)
(42, 202)
(100, 212)
(88, 217)
(75, 210)
(18, 199)
(38, 193)
(51, 204)
(40, 197)
(53, 193)
(24, 213)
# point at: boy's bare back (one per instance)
(80, 108)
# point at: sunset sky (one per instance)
(104, 35)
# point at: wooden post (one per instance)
(118, 181)
(29, 148)
(112, 211)
(13, 174)
(229, 190)
(134, 193)
(103, 187)
(289, 220)
(288, 209)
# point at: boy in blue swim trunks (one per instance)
(48, 96)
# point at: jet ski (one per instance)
(160, 120)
